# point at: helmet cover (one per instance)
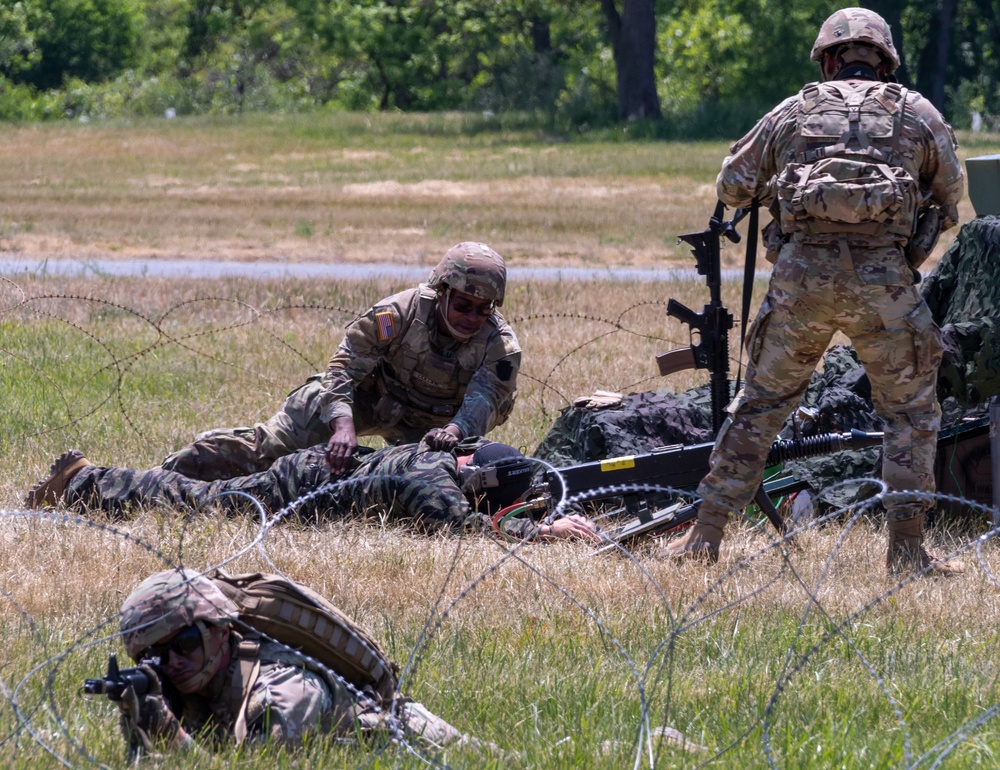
(169, 601)
(473, 268)
(856, 25)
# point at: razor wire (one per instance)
(651, 672)
(652, 680)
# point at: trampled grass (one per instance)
(810, 658)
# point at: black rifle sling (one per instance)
(749, 270)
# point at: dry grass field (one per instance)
(355, 188)
(795, 657)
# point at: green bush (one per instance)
(21, 102)
(92, 40)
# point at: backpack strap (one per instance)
(244, 678)
(278, 608)
(854, 140)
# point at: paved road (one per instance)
(160, 268)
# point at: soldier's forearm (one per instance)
(474, 417)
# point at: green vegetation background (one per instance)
(718, 64)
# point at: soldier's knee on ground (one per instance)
(219, 454)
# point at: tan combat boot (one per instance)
(49, 491)
(702, 541)
(907, 553)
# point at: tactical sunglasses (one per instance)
(462, 306)
(183, 643)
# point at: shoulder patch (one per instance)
(504, 369)
(386, 325)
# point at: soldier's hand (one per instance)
(340, 448)
(146, 720)
(570, 526)
(442, 439)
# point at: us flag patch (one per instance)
(386, 325)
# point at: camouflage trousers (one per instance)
(230, 452)
(416, 721)
(899, 346)
(116, 490)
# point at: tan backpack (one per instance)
(846, 176)
(299, 617)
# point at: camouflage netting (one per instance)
(642, 421)
(963, 293)
(838, 399)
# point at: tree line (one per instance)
(680, 67)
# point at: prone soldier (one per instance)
(219, 682)
(457, 490)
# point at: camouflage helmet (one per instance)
(473, 268)
(168, 602)
(856, 25)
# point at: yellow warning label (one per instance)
(617, 463)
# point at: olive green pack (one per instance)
(304, 620)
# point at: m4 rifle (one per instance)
(713, 323)
(118, 680)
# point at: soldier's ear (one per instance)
(828, 65)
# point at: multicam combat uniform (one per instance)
(853, 281)
(287, 700)
(284, 702)
(268, 692)
(405, 482)
(395, 373)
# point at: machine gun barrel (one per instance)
(823, 444)
(683, 467)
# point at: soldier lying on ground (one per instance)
(436, 362)
(429, 488)
(229, 685)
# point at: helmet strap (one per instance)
(444, 302)
(210, 667)
(478, 478)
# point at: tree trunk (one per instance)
(892, 12)
(939, 77)
(932, 75)
(633, 41)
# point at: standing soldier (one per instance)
(436, 362)
(852, 167)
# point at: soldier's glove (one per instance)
(440, 440)
(146, 720)
(599, 399)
